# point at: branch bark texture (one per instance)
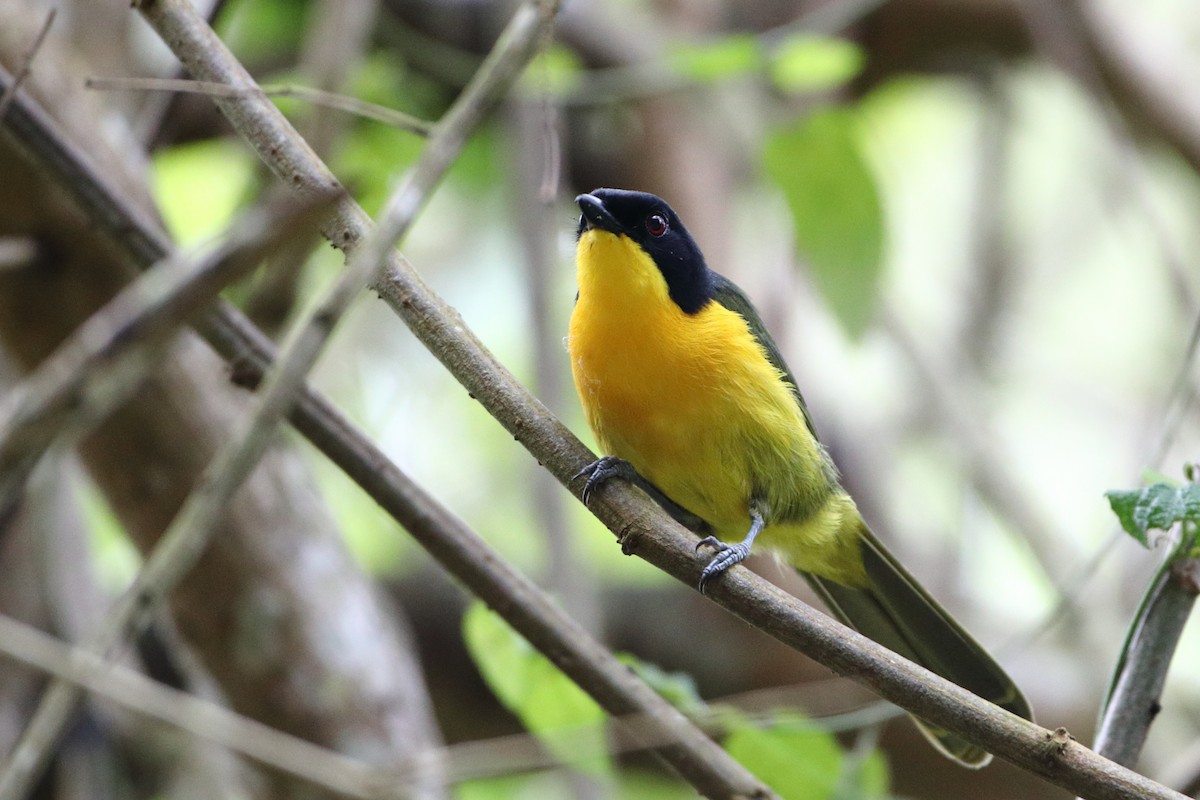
(1134, 700)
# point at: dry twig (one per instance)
(10, 91)
(105, 361)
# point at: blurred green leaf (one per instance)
(559, 713)
(199, 186)
(116, 560)
(794, 757)
(555, 71)
(384, 78)
(1160, 505)
(806, 63)
(836, 209)
(506, 787)
(263, 30)
(712, 61)
(871, 781)
(371, 158)
(677, 688)
(479, 164)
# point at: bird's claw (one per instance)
(598, 472)
(727, 555)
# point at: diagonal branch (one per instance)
(103, 363)
(1149, 74)
(1133, 699)
(317, 97)
(313, 763)
(6, 97)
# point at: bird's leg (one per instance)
(730, 554)
(608, 467)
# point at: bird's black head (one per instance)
(650, 222)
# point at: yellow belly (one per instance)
(693, 403)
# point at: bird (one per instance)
(690, 399)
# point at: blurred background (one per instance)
(970, 225)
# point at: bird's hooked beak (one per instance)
(595, 215)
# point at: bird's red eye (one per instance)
(656, 224)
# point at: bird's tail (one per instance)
(896, 612)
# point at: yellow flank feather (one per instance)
(693, 402)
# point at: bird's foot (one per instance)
(727, 555)
(600, 471)
(730, 554)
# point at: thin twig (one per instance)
(26, 64)
(104, 362)
(1141, 672)
(317, 97)
(308, 761)
(1150, 73)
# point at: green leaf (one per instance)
(263, 31)
(556, 70)
(725, 58)
(1160, 506)
(836, 209)
(871, 779)
(795, 758)
(806, 63)
(677, 688)
(549, 705)
(201, 185)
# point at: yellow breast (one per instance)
(689, 399)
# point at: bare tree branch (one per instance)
(318, 97)
(6, 97)
(190, 531)
(265, 744)
(101, 365)
(1149, 75)
(1141, 673)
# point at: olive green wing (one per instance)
(729, 295)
